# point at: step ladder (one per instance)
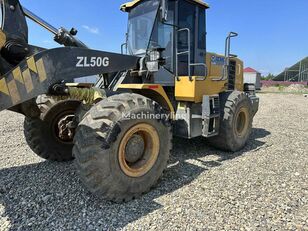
(210, 115)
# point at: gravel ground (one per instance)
(263, 187)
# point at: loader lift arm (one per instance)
(38, 73)
(28, 71)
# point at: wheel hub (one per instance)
(139, 150)
(241, 125)
(134, 148)
(66, 131)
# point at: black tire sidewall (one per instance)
(57, 111)
(234, 140)
(230, 105)
(97, 144)
(39, 132)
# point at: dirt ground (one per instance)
(263, 187)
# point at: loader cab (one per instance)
(179, 28)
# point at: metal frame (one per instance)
(228, 55)
(188, 53)
(296, 73)
(225, 70)
(36, 75)
(123, 45)
(301, 76)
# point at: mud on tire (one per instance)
(99, 147)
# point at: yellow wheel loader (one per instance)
(163, 84)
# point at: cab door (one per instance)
(192, 17)
(200, 42)
(186, 20)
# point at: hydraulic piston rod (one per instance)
(62, 36)
(40, 21)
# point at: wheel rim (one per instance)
(241, 122)
(59, 124)
(138, 150)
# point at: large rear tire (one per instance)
(235, 123)
(118, 158)
(42, 134)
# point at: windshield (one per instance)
(140, 25)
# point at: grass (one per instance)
(281, 88)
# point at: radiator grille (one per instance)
(232, 75)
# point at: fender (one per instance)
(35, 75)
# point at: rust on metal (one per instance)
(149, 154)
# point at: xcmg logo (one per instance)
(217, 60)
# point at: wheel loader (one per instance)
(119, 131)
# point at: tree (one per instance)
(270, 76)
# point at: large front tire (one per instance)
(118, 158)
(42, 134)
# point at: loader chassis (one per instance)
(164, 70)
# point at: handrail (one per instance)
(122, 46)
(188, 52)
(225, 70)
(201, 64)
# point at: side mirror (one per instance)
(164, 10)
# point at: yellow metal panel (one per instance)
(15, 96)
(2, 38)
(17, 75)
(201, 3)
(41, 70)
(216, 71)
(31, 64)
(185, 90)
(152, 87)
(3, 87)
(193, 91)
(239, 81)
(127, 6)
(28, 80)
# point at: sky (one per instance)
(273, 34)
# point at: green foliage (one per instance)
(270, 76)
(281, 88)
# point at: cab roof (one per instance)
(129, 5)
